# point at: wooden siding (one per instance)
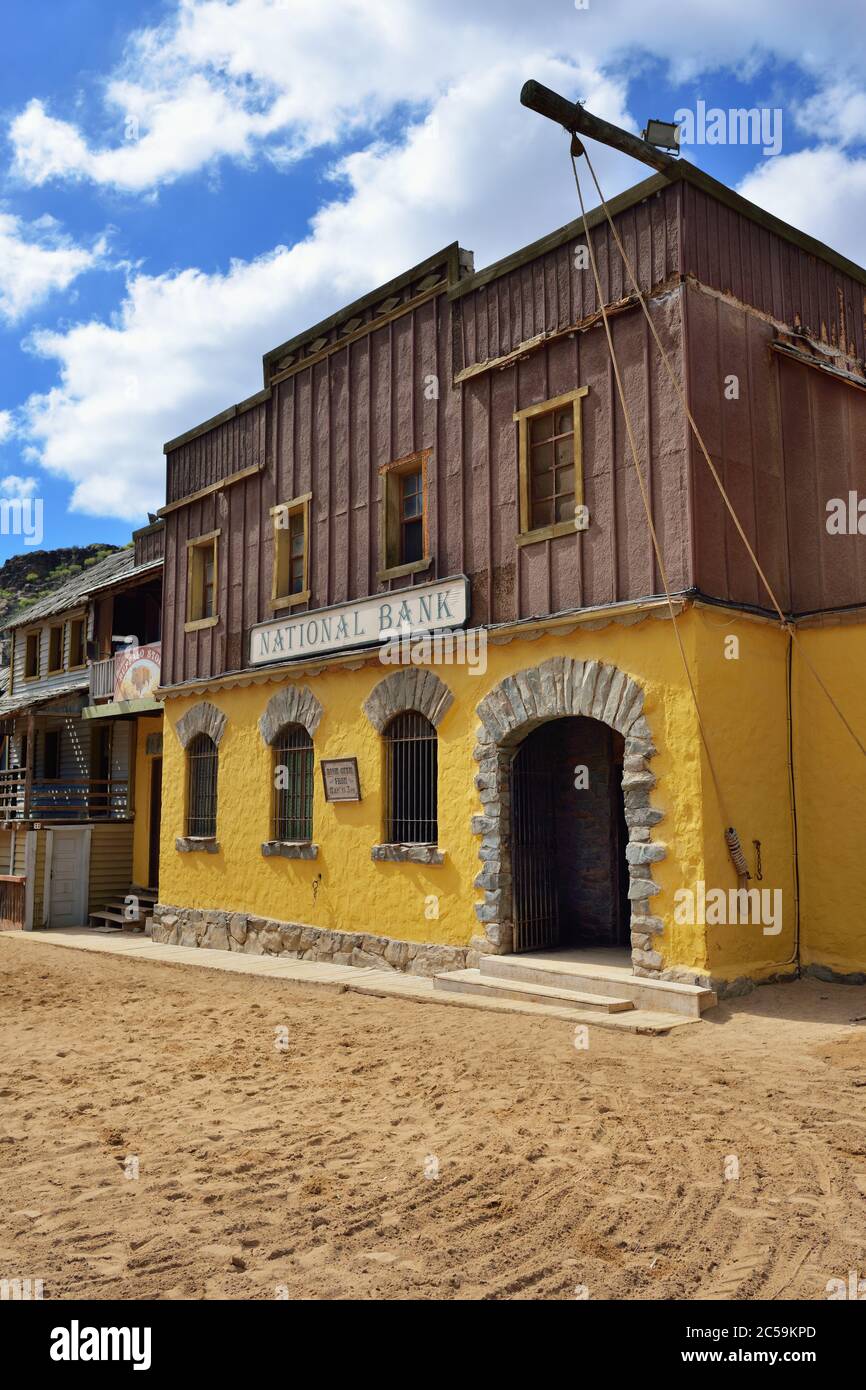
(548, 294)
(731, 252)
(331, 426)
(110, 863)
(149, 543)
(39, 878)
(44, 684)
(512, 336)
(75, 743)
(795, 439)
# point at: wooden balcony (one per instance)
(62, 799)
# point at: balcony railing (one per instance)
(62, 798)
(102, 679)
(12, 890)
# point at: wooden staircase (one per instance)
(114, 915)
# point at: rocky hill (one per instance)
(26, 578)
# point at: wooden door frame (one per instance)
(157, 759)
(84, 882)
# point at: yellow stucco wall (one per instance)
(741, 682)
(831, 795)
(150, 724)
(343, 888)
(743, 704)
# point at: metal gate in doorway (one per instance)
(533, 848)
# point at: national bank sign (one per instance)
(426, 608)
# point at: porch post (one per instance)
(28, 771)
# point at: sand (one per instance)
(403, 1150)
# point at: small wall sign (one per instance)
(340, 776)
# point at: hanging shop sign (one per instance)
(424, 608)
(136, 672)
(340, 776)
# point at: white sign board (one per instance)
(425, 608)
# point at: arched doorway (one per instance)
(568, 837)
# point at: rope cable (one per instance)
(785, 623)
(643, 492)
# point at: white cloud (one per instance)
(836, 113)
(229, 78)
(183, 346)
(14, 486)
(823, 192)
(36, 259)
(6, 426)
(271, 77)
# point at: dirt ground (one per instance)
(311, 1172)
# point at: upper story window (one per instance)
(291, 582)
(201, 582)
(411, 517)
(201, 807)
(550, 467)
(77, 643)
(32, 643)
(55, 647)
(403, 534)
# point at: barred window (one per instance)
(411, 750)
(293, 784)
(202, 788)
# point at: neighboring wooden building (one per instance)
(449, 451)
(74, 815)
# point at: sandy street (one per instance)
(312, 1170)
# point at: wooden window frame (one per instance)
(286, 509)
(37, 633)
(194, 583)
(61, 666)
(80, 621)
(527, 534)
(389, 516)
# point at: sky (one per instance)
(185, 184)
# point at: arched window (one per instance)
(293, 784)
(201, 811)
(411, 780)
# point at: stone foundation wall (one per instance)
(214, 929)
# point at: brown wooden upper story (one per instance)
(428, 430)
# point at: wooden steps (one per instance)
(114, 916)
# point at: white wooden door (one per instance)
(68, 870)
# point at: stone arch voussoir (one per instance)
(414, 689)
(292, 704)
(557, 688)
(203, 718)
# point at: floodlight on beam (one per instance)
(665, 135)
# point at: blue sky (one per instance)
(186, 184)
